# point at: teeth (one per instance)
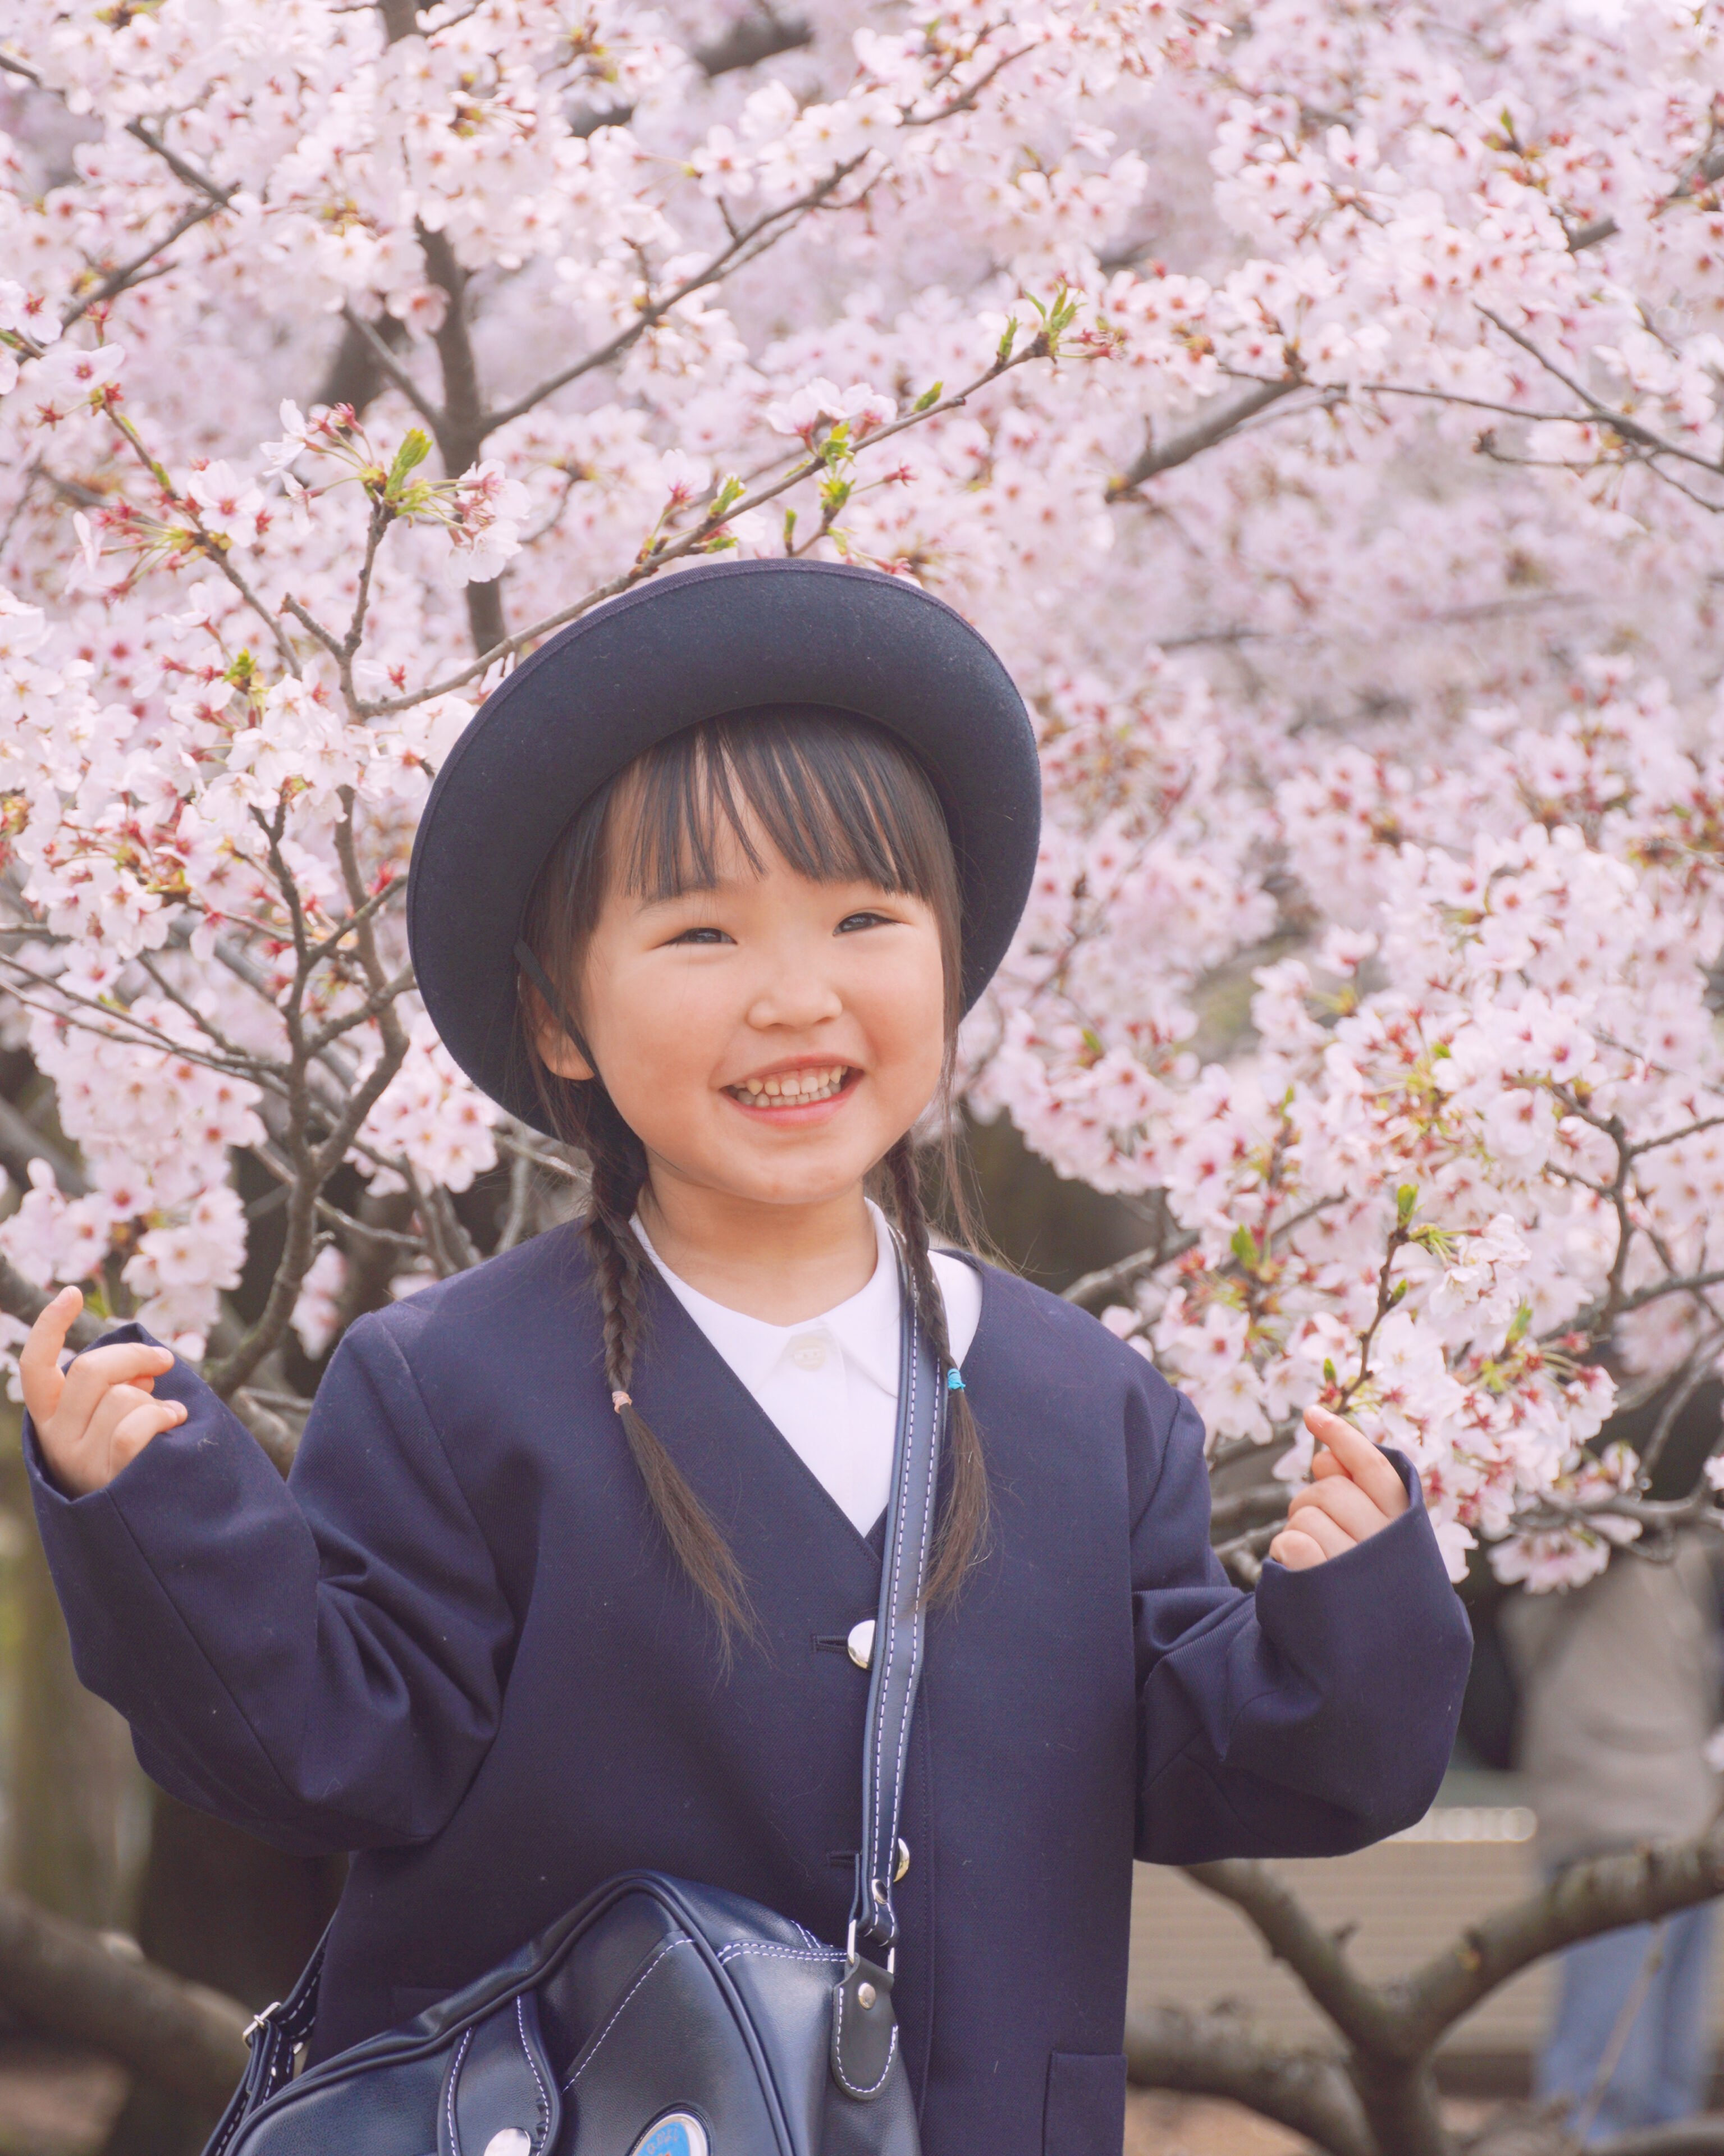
(796, 1086)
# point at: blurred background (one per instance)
(86, 1837)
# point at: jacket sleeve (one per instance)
(1309, 1718)
(320, 1661)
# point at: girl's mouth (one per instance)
(794, 1089)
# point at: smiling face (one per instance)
(768, 1039)
(759, 925)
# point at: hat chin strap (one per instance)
(554, 1002)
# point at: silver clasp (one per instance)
(851, 1956)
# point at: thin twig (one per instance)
(1204, 434)
(127, 273)
(1107, 1280)
(728, 259)
(692, 541)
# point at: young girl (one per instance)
(562, 1581)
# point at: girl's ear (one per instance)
(558, 1052)
(560, 1055)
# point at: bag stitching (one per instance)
(885, 1682)
(845, 2083)
(533, 2066)
(790, 1953)
(890, 1856)
(667, 1947)
(878, 1858)
(455, 2075)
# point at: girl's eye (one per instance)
(852, 921)
(701, 936)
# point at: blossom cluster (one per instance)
(1318, 405)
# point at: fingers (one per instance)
(128, 1362)
(135, 1429)
(80, 1413)
(125, 1419)
(1358, 1458)
(1328, 1534)
(122, 1404)
(1344, 1502)
(1297, 1550)
(38, 1362)
(1354, 1493)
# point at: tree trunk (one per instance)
(1400, 2104)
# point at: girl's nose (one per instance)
(794, 999)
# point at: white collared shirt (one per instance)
(830, 1384)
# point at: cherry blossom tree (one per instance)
(1317, 401)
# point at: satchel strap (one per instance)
(277, 2033)
(898, 1632)
(272, 2037)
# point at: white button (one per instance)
(510, 2142)
(807, 1351)
(860, 1643)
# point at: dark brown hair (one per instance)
(842, 800)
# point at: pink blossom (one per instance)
(1375, 686)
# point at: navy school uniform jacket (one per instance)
(453, 1643)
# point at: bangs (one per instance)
(837, 798)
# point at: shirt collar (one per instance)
(864, 1326)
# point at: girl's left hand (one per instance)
(1354, 1493)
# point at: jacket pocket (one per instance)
(1085, 2113)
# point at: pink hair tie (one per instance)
(621, 1400)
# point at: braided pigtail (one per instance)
(618, 1170)
(962, 1535)
(840, 800)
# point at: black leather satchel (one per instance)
(659, 2017)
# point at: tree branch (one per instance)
(1205, 433)
(1099, 1286)
(1218, 2055)
(23, 1300)
(1635, 1888)
(461, 426)
(1267, 1503)
(199, 181)
(750, 40)
(744, 44)
(21, 1143)
(1599, 414)
(716, 266)
(386, 363)
(1708, 168)
(1358, 2009)
(65, 1982)
(117, 279)
(695, 540)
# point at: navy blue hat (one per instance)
(722, 637)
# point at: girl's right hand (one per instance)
(95, 1418)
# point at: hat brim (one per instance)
(721, 637)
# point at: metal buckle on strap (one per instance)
(851, 1956)
(264, 2019)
